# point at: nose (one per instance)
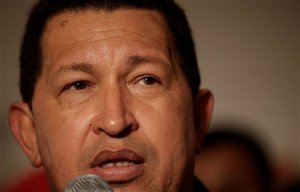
(115, 116)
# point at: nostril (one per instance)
(127, 130)
(95, 129)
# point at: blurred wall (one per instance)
(248, 52)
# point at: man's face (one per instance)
(112, 101)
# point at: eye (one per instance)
(149, 80)
(76, 86)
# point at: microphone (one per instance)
(88, 183)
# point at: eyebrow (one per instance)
(90, 69)
(83, 67)
(137, 60)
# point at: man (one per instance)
(111, 88)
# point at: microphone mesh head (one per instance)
(88, 183)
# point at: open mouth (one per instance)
(118, 166)
(117, 163)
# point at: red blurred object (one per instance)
(32, 181)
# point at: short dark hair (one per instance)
(44, 10)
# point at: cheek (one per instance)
(62, 131)
(60, 138)
(168, 124)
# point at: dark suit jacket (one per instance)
(198, 186)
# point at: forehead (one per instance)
(89, 22)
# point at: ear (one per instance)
(203, 108)
(22, 126)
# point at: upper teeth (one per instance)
(117, 164)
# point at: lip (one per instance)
(118, 166)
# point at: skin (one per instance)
(227, 168)
(111, 83)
